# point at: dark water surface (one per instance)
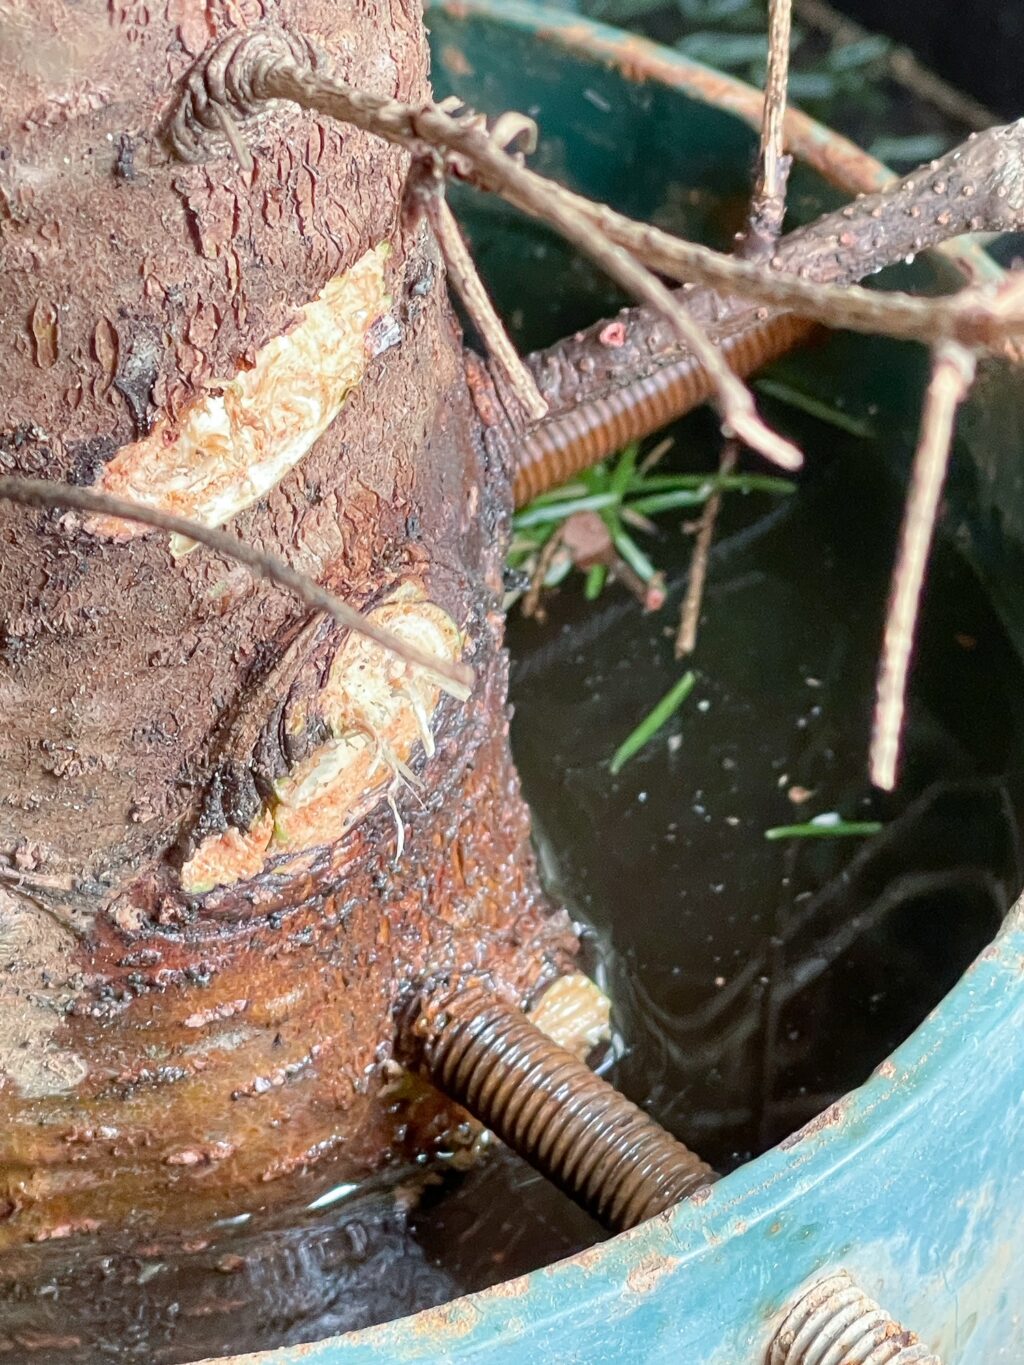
(756, 981)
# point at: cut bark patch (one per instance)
(378, 709)
(230, 857)
(233, 446)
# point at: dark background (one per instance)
(978, 45)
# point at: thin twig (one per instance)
(735, 402)
(952, 375)
(20, 886)
(453, 677)
(464, 276)
(1008, 301)
(235, 141)
(756, 243)
(768, 202)
(532, 602)
(689, 615)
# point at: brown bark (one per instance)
(155, 1040)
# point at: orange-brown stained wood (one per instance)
(188, 1049)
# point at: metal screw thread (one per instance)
(835, 1323)
(554, 1112)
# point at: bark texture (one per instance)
(153, 1040)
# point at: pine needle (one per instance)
(653, 721)
(824, 829)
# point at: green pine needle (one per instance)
(596, 576)
(815, 407)
(821, 830)
(653, 721)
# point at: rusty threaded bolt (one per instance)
(553, 1111)
(835, 1323)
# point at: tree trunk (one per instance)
(221, 880)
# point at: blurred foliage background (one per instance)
(841, 74)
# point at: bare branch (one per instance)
(598, 392)
(977, 187)
(952, 375)
(581, 368)
(425, 191)
(768, 203)
(980, 184)
(755, 243)
(453, 677)
(462, 272)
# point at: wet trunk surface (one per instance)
(233, 840)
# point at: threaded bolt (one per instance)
(835, 1323)
(554, 1112)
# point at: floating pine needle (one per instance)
(825, 827)
(596, 576)
(562, 511)
(632, 554)
(734, 483)
(623, 495)
(670, 492)
(653, 721)
(815, 407)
